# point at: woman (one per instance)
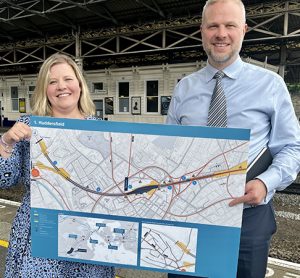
(61, 91)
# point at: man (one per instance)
(256, 99)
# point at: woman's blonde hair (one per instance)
(40, 104)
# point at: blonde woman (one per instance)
(61, 91)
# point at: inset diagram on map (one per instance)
(169, 247)
(97, 239)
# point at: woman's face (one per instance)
(63, 91)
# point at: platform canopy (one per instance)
(120, 33)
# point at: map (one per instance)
(135, 195)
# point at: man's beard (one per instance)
(222, 59)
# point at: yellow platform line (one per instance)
(3, 243)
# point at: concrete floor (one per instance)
(129, 273)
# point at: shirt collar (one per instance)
(232, 71)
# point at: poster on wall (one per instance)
(165, 103)
(109, 105)
(136, 105)
(22, 105)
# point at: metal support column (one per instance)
(283, 55)
(283, 48)
(78, 57)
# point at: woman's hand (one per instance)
(18, 132)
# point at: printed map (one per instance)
(142, 178)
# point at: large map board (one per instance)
(146, 196)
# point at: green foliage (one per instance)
(294, 88)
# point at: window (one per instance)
(152, 96)
(98, 88)
(14, 98)
(31, 88)
(123, 96)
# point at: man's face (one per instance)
(223, 29)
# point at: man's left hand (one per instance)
(255, 192)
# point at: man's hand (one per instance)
(255, 192)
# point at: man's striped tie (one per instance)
(217, 113)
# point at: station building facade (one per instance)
(133, 94)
